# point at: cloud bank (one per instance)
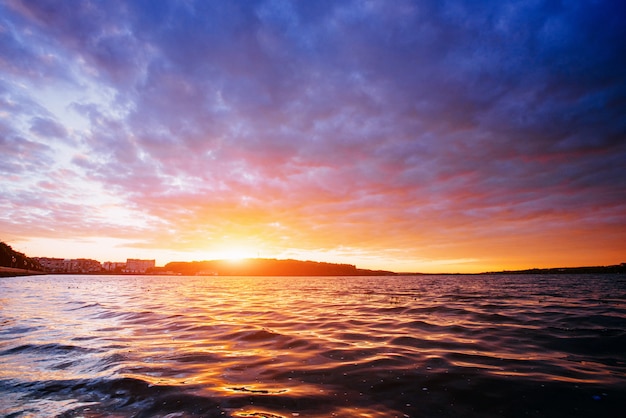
(409, 135)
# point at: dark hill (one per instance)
(268, 267)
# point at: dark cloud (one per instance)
(47, 128)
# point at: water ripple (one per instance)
(140, 346)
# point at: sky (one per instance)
(430, 136)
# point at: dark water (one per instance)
(483, 346)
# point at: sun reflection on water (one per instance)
(368, 347)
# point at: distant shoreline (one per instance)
(618, 269)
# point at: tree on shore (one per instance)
(11, 258)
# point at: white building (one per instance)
(72, 265)
(138, 266)
(114, 266)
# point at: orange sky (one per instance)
(402, 136)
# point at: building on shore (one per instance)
(138, 266)
(83, 265)
(114, 266)
(69, 265)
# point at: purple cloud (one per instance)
(334, 116)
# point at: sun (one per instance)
(235, 254)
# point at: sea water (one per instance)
(414, 346)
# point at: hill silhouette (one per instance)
(268, 267)
(614, 269)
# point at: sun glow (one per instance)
(235, 254)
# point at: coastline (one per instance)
(12, 272)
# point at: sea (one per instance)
(282, 347)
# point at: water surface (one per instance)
(143, 346)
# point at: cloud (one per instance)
(47, 128)
(350, 124)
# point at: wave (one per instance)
(371, 347)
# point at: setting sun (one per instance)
(235, 254)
